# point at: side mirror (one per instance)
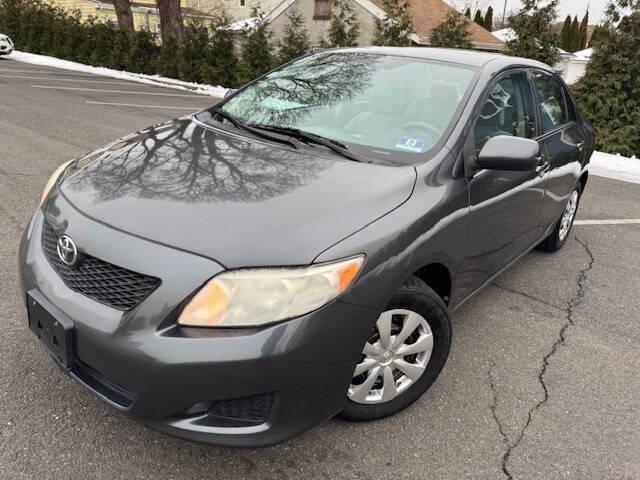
(509, 153)
(230, 92)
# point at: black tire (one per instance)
(553, 242)
(414, 295)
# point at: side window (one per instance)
(507, 111)
(552, 100)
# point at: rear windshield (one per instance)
(391, 107)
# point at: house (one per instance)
(145, 12)
(426, 14)
(577, 66)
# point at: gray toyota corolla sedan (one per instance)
(295, 252)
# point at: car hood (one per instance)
(239, 201)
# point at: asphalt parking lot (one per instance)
(542, 381)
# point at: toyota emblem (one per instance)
(67, 250)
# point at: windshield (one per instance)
(391, 107)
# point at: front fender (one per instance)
(430, 227)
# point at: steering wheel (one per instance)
(422, 125)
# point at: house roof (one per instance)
(428, 14)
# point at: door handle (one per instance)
(580, 146)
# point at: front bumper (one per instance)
(5, 49)
(142, 363)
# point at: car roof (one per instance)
(473, 58)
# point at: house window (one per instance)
(243, 3)
(322, 10)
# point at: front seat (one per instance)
(385, 111)
(437, 107)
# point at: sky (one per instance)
(566, 7)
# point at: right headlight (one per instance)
(254, 297)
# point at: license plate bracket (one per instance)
(55, 332)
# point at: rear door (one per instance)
(563, 141)
(504, 218)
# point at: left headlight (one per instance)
(53, 180)
(254, 297)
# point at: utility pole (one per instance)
(504, 14)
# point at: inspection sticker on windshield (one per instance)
(410, 144)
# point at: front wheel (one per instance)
(403, 355)
(558, 237)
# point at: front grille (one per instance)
(104, 282)
(241, 412)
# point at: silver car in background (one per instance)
(6, 45)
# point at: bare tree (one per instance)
(171, 24)
(125, 17)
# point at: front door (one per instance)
(504, 218)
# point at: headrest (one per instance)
(386, 100)
(442, 89)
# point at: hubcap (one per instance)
(395, 357)
(568, 215)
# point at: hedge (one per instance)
(39, 27)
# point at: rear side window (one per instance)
(507, 111)
(552, 100)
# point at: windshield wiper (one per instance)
(334, 145)
(259, 132)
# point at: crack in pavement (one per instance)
(494, 412)
(572, 305)
(530, 297)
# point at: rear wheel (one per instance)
(558, 237)
(403, 355)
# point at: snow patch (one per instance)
(505, 34)
(155, 80)
(245, 24)
(615, 166)
(584, 54)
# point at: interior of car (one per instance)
(507, 111)
(409, 102)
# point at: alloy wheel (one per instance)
(568, 215)
(394, 357)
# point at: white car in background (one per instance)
(6, 45)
